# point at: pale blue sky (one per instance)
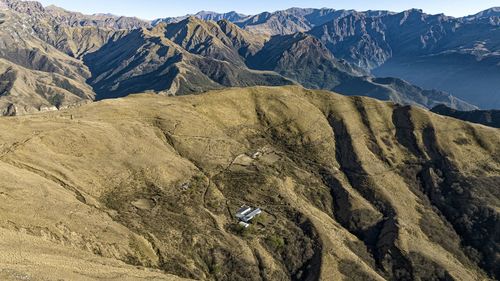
(151, 9)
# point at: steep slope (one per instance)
(72, 33)
(21, 45)
(204, 15)
(79, 41)
(357, 38)
(486, 117)
(296, 20)
(73, 19)
(306, 60)
(488, 13)
(147, 60)
(50, 39)
(193, 56)
(34, 74)
(25, 91)
(189, 56)
(218, 40)
(283, 22)
(299, 57)
(351, 188)
(41, 50)
(457, 55)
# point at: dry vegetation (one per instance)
(351, 189)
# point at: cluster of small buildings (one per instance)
(245, 214)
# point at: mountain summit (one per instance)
(103, 56)
(454, 55)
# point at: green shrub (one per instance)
(56, 100)
(277, 242)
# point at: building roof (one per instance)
(251, 215)
(243, 211)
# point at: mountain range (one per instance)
(73, 58)
(456, 55)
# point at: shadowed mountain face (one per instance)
(486, 117)
(187, 57)
(194, 56)
(117, 56)
(306, 60)
(456, 55)
(350, 188)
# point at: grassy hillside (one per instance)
(351, 189)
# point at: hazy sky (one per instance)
(151, 9)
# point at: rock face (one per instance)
(456, 55)
(204, 15)
(194, 56)
(284, 22)
(486, 117)
(182, 58)
(73, 58)
(73, 19)
(350, 188)
(489, 13)
(41, 51)
(306, 60)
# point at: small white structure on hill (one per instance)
(246, 214)
(243, 211)
(244, 224)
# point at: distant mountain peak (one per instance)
(491, 12)
(26, 7)
(204, 15)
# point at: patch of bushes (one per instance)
(56, 100)
(242, 231)
(276, 241)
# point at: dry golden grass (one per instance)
(102, 187)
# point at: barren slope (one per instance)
(351, 188)
(192, 56)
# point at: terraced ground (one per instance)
(147, 186)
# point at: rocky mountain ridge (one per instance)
(189, 56)
(455, 55)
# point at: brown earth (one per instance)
(145, 186)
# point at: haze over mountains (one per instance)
(73, 58)
(457, 55)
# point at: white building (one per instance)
(246, 214)
(243, 211)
